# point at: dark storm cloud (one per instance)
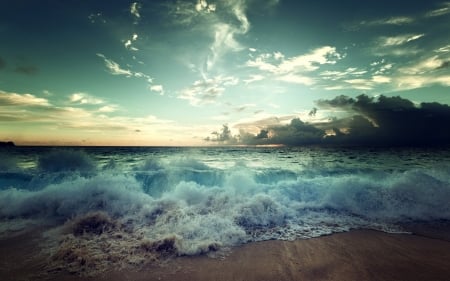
(387, 121)
(296, 132)
(391, 121)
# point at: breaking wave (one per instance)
(197, 208)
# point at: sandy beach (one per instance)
(355, 255)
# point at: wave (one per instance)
(204, 208)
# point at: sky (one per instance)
(200, 72)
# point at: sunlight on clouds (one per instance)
(292, 69)
(14, 99)
(276, 63)
(297, 79)
(73, 124)
(83, 98)
(416, 81)
(202, 5)
(399, 40)
(254, 78)
(379, 79)
(424, 66)
(108, 108)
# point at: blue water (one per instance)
(225, 196)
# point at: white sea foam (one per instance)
(202, 205)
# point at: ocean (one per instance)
(138, 201)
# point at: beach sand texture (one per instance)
(355, 255)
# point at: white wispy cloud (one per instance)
(445, 49)
(296, 79)
(207, 91)
(15, 99)
(129, 42)
(424, 66)
(108, 108)
(422, 72)
(444, 10)
(334, 75)
(224, 42)
(254, 78)
(409, 82)
(225, 33)
(276, 63)
(365, 83)
(223, 21)
(401, 20)
(157, 88)
(115, 69)
(294, 69)
(83, 98)
(399, 40)
(134, 9)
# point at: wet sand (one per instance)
(355, 255)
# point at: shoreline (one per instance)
(353, 255)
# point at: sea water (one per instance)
(225, 196)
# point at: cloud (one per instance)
(223, 21)
(364, 120)
(115, 69)
(108, 108)
(444, 10)
(134, 10)
(254, 78)
(297, 79)
(129, 42)
(445, 49)
(399, 40)
(157, 88)
(83, 98)
(424, 66)
(224, 42)
(14, 99)
(389, 21)
(427, 71)
(207, 91)
(409, 82)
(390, 121)
(293, 69)
(71, 124)
(337, 75)
(202, 5)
